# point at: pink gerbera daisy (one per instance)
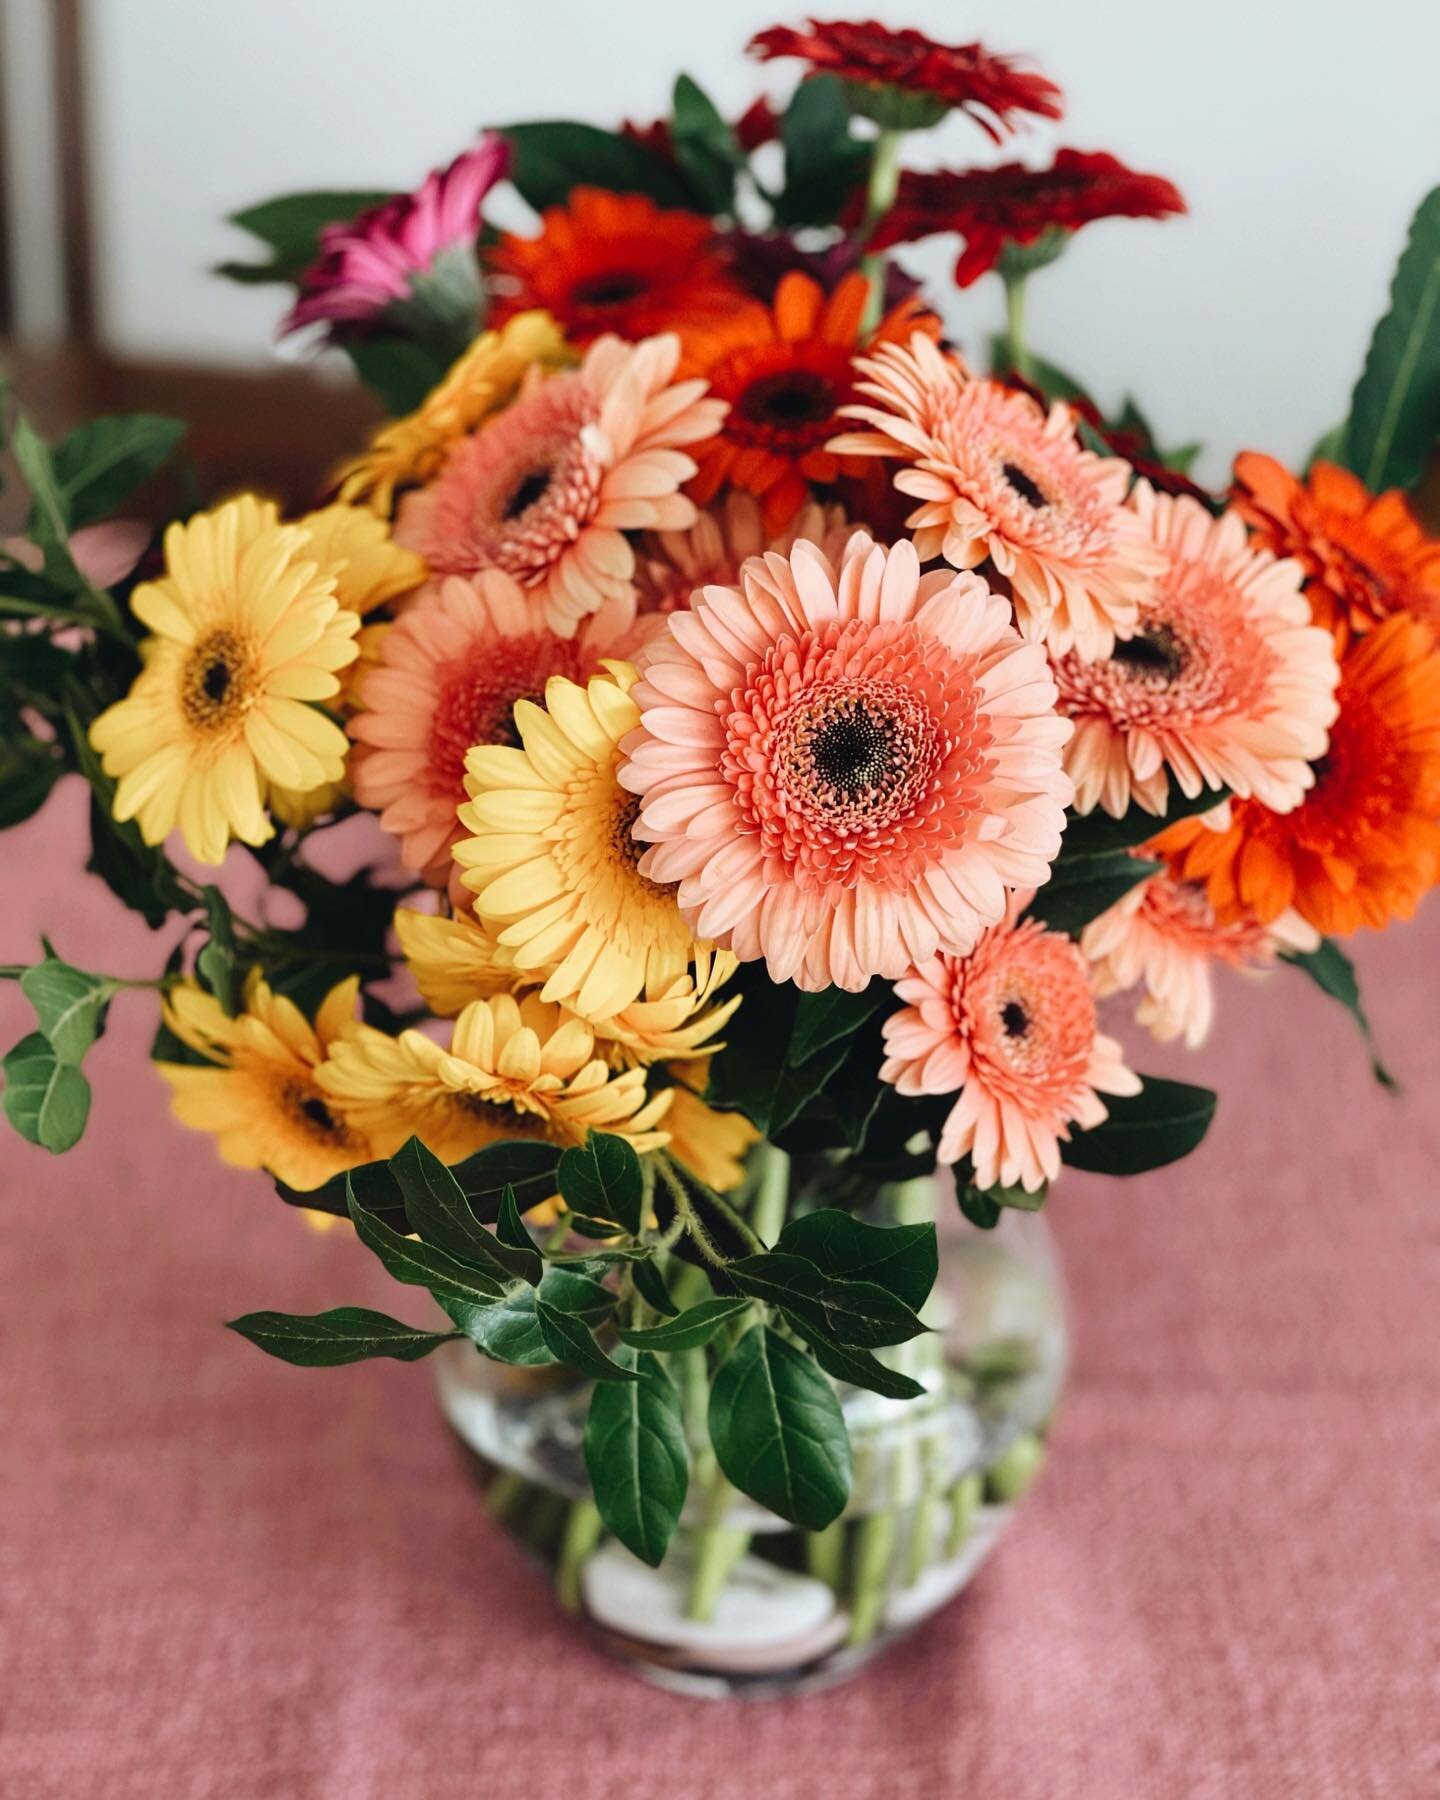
(384, 256)
(547, 489)
(1225, 683)
(674, 564)
(998, 477)
(1164, 934)
(449, 674)
(844, 767)
(1012, 1026)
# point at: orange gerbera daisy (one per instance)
(785, 376)
(1364, 844)
(617, 262)
(1367, 555)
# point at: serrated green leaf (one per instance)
(1163, 1122)
(69, 1005)
(691, 1329)
(100, 464)
(778, 1432)
(902, 1259)
(602, 1179)
(1334, 974)
(636, 1456)
(857, 1367)
(549, 157)
(346, 1334)
(845, 1312)
(1395, 412)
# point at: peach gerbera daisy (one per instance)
(1367, 555)
(1164, 935)
(672, 565)
(1225, 682)
(786, 377)
(998, 477)
(844, 768)
(1364, 844)
(1012, 1026)
(485, 379)
(548, 490)
(512, 1068)
(449, 674)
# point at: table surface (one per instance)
(220, 1576)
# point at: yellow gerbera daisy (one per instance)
(247, 634)
(673, 1023)
(512, 1069)
(263, 1104)
(552, 861)
(454, 961)
(486, 378)
(711, 1144)
(354, 545)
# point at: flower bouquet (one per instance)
(775, 734)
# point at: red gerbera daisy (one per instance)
(991, 89)
(1013, 204)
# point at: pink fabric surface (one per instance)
(220, 1576)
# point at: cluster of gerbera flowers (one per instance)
(689, 621)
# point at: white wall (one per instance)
(1303, 132)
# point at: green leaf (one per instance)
(778, 1431)
(1163, 1122)
(28, 771)
(902, 1259)
(691, 1329)
(49, 524)
(1334, 974)
(846, 1312)
(824, 164)
(346, 1334)
(510, 1229)
(705, 147)
(526, 1166)
(979, 1205)
(823, 1019)
(100, 464)
(1097, 834)
(857, 1367)
(1395, 411)
(575, 1291)
(745, 1075)
(437, 1208)
(550, 157)
(636, 1456)
(69, 1005)
(570, 1340)
(1083, 886)
(400, 372)
(421, 1264)
(45, 1099)
(216, 963)
(602, 1179)
(290, 225)
(650, 1284)
(507, 1331)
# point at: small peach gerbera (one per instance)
(1364, 844)
(786, 378)
(1164, 934)
(1012, 1026)
(673, 565)
(1367, 555)
(998, 477)
(1225, 682)
(449, 674)
(548, 490)
(606, 262)
(845, 767)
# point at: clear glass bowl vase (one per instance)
(745, 1604)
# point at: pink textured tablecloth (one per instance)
(223, 1576)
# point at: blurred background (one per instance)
(1302, 133)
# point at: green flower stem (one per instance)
(505, 1493)
(922, 1525)
(772, 1192)
(582, 1533)
(874, 1543)
(1015, 324)
(879, 198)
(718, 1547)
(964, 1500)
(825, 1554)
(1009, 1478)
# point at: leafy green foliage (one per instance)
(346, 1334)
(1085, 884)
(421, 1264)
(691, 1329)
(438, 1209)
(1163, 1122)
(1097, 834)
(1395, 411)
(602, 1179)
(824, 164)
(984, 1207)
(508, 1331)
(28, 771)
(636, 1456)
(570, 1340)
(137, 873)
(550, 157)
(510, 1229)
(858, 1367)
(844, 1312)
(101, 463)
(902, 1259)
(650, 1284)
(217, 964)
(46, 1099)
(69, 1004)
(1334, 974)
(706, 149)
(527, 1166)
(289, 226)
(399, 371)
(831, 1015)
(777, 1430)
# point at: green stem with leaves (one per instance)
(879, 198)
(1015, 324)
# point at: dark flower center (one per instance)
(853, 750)
(615, 288)
(796, 397)
(214, 683)
(531, 487)
(1157, 650)
(216, 680)
(1014, 1018)
(1028, 489)
(310, 1110)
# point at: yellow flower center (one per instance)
(217, 685)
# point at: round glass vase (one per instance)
(744, 1603)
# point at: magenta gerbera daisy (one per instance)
(845, 766)
(1225, 682)
(1000, 478)
(1012, 1027)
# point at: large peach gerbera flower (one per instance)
(673, 565)
(998, 477)
(552, 860)
(513, 1068)
(1225, 682)
(607, 262)
(1364, 845)
(1012, 1026)
(449, 674)
(1164, 934)
(1367, 555)
(845, 767)
(548, 490)
(786, 378)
